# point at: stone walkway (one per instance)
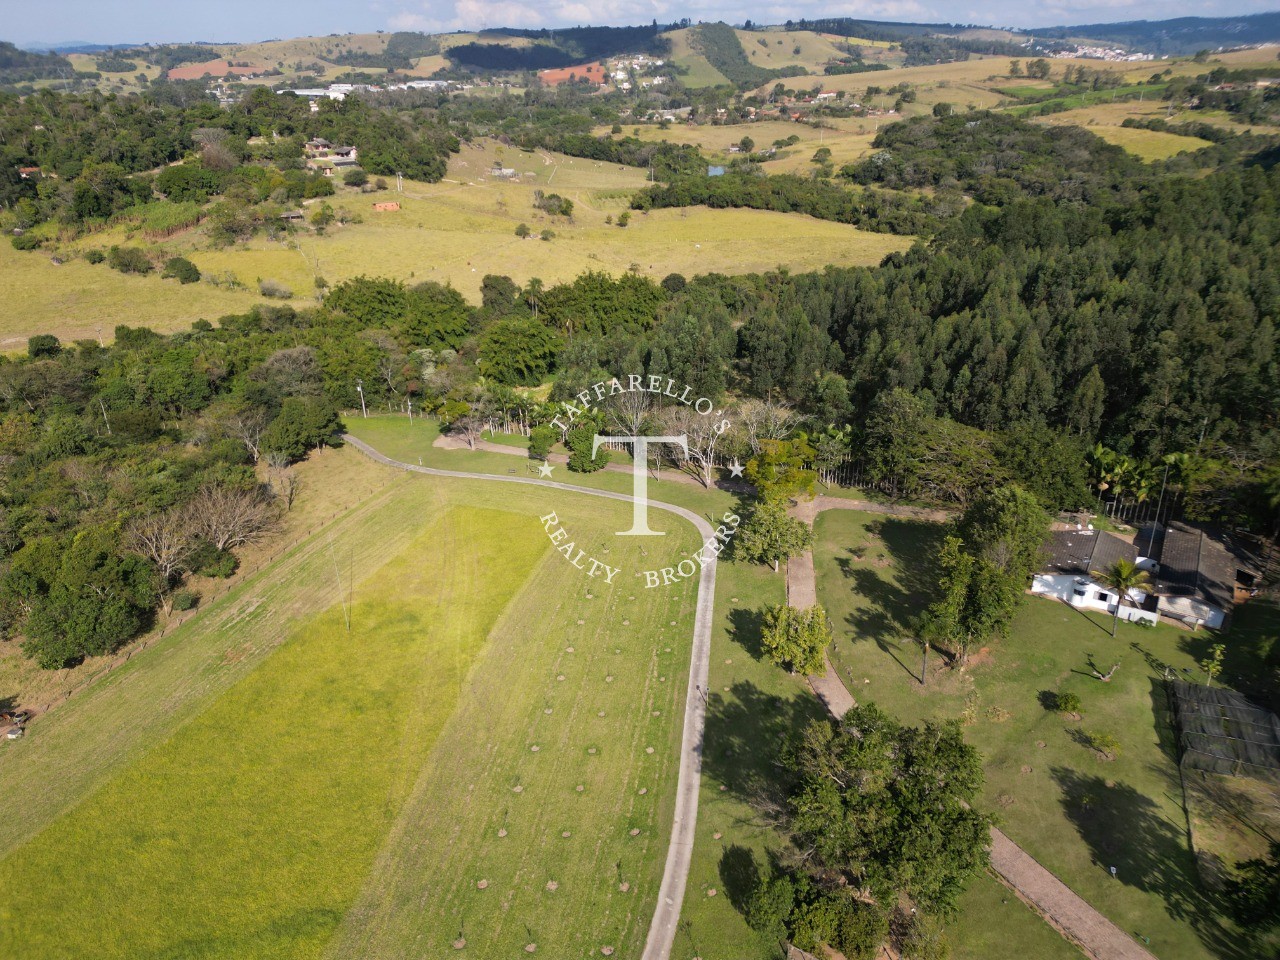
(1061, 907)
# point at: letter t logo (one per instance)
(640, 478)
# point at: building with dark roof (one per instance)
(1195, 577)
(1072, 559)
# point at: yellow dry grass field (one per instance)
(980, 71)
(848, 139)
(459, 230)
(77, 300)
(1106, 119)
(782, 48)
(700, 71)
(453, 232)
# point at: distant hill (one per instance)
(1181, 36)
(74, 46)
(24, 66)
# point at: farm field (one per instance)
(78, 300)
(1149, 145)
(334, 481)
(355, 745)
(788, 48)
(452, 232)
(700, 72)
(848, 140)
(1073, 811)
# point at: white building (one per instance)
(1074, 556)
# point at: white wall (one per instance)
(1191, 610)
(1064, 587)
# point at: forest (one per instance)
(1070, 319)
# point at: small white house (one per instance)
(1073, 557)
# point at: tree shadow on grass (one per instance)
(746, 628)
(1127, 830)
(892, 607)
(747, 730)
(739, 875)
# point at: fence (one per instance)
(173, 623)
(1219, 731)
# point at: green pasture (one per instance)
(237, 789)
(1074, 811)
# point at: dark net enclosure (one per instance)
(1220, 731)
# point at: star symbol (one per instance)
(735, 468)
(545, 469)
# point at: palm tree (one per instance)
(1122, 576)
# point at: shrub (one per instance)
(624, 218)
(274, 289)
(547, 234)
(208, 561)
(355, 178)
(1105, 744)
(129, 260)
(183, 269)
(674, 282)
(95, 255)
(860, 930)
(522, 231)
(1067, 703)
(185, 600)
(43, 345)
(770, 906)
(579, 441)
(541, 440)
(25, 241)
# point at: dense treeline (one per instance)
(1204, 131)
(558, 48)
(996, 157)
(666, 159)
(878, 210)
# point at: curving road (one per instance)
(666, 915)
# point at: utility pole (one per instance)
(411, 410)
(360, 390)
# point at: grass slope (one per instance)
(1073, 811)
(79, 300)
(452, 232)
(566, 739)
(241, 835)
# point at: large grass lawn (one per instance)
(1075, 812)
(235, 790)
(756, 706)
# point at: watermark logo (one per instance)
(636, 393)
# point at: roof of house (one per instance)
(1194, 564)
(1082, 551)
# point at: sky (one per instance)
(164, 21)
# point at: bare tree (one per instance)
(470, 427)
(702, 437)
(247, 424)
(166, 539)
(764, 420)
(284, 481)
(230, 516)
(627, 412)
